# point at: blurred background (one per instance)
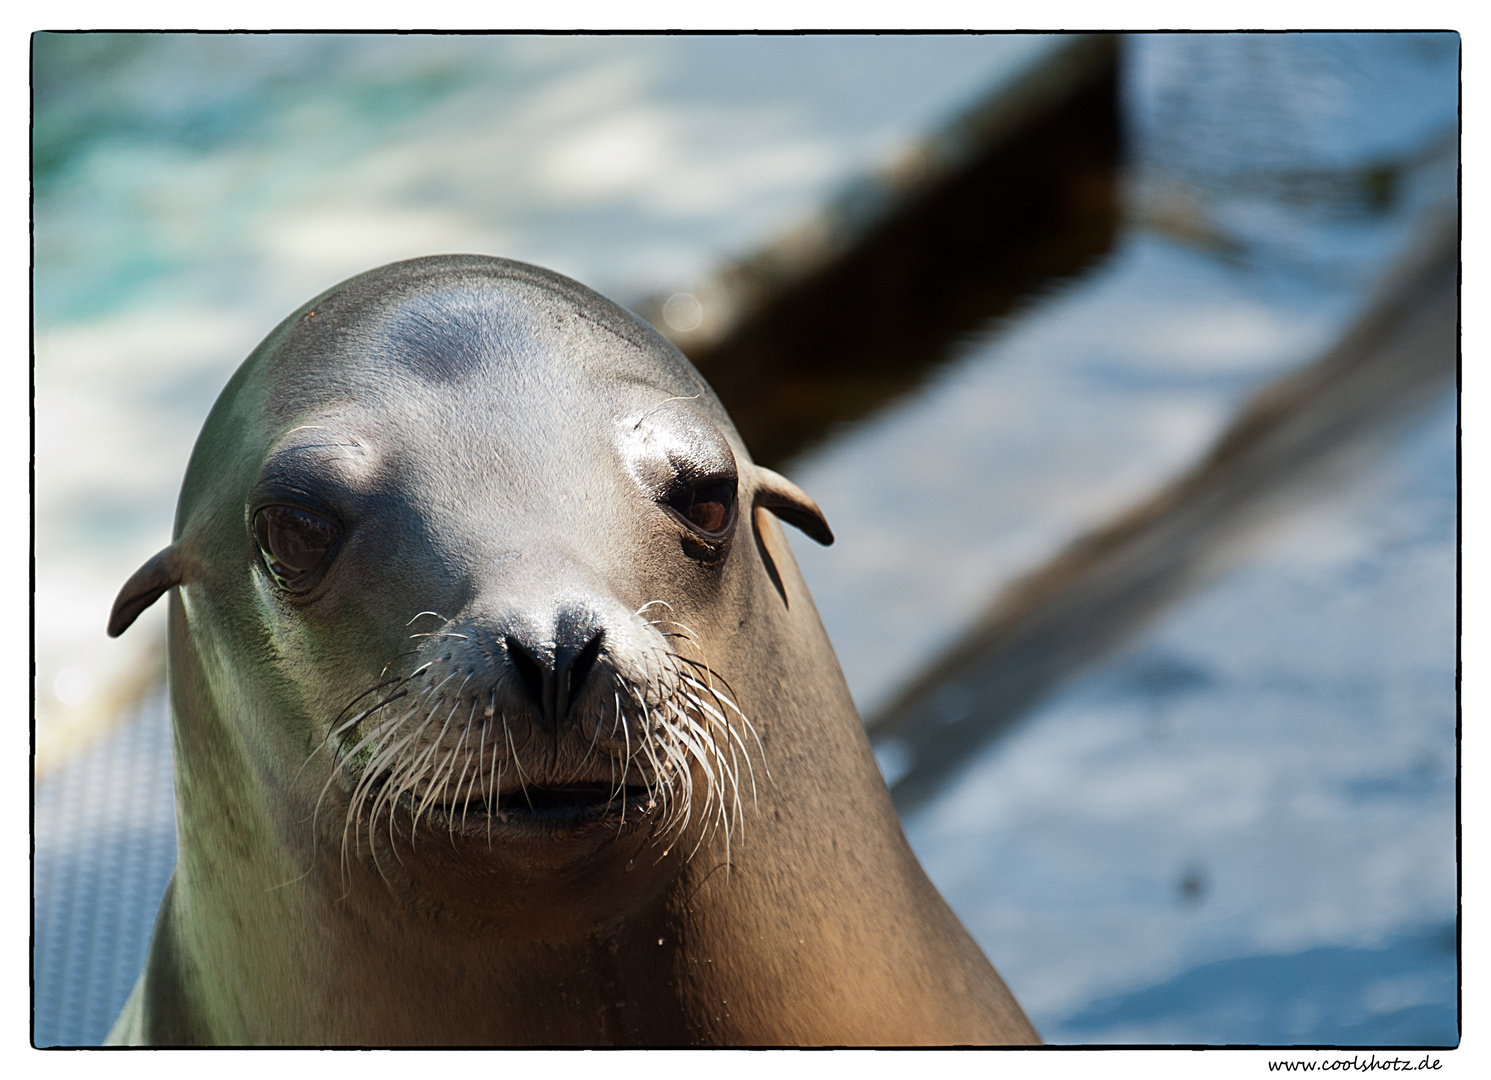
(1122, 367)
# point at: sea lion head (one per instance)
(470, 566)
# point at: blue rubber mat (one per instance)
(105, 846)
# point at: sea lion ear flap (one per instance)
(145, 586)
(790, 503)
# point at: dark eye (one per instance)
(710, 508)
(294, 542)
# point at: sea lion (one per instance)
(502, 714)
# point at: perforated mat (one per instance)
(105, 846)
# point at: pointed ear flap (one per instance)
(790, 503)
(163, 571)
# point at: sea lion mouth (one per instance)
(548, 806)
(674, 749)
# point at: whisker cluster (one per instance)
(431, 739)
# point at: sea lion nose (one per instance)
(553, 672)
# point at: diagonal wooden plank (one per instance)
(1394, 360)
(833, 320)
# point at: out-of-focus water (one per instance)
(1091, 398)
(1240, 829)
(260, 169)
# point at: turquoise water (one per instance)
(171, 163)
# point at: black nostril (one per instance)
(584, 661)
(529, 669)
(553, 672)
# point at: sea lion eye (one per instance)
(709, 508)
(295, 543)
